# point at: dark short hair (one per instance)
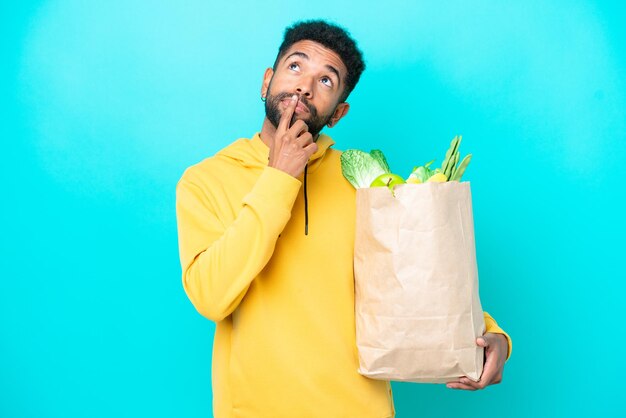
(332, 37)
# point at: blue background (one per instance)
(104, 104)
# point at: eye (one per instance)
(330, 82)
(292, 64)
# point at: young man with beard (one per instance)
(266, 239)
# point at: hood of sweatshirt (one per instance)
(254, 153)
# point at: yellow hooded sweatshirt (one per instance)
(282, 299)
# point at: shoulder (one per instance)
(333, 154)
(333, 158)
(207, 170)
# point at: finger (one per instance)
(311, 149)
(460, 386)
(490, 369)
(304, 139)
(286, 118)
(468, 382)
(298, 128)
(483, 341)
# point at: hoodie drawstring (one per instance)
(306, 205)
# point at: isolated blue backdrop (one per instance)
(104, 104)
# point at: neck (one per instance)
(268, 132)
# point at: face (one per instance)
(317, 75)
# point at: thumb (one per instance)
(482, 341)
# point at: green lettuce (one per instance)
(361, 168)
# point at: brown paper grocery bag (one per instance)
(418, 312)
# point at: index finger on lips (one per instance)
(286, 118)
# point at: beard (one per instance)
(315, 121)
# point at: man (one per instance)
(266, 238)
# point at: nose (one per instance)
(304, 87)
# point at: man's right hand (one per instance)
(291, 147)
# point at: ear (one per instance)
(267, 77)
(340, 111)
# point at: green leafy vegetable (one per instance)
(422, 173)
(361, 168)
(450, 169)
(380, 157)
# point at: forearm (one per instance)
(217, 277)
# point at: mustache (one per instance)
(283, 96)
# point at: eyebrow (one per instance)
(306, 57)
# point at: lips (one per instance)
(301, 107)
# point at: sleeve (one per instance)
(492, 326)
(219, 262)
